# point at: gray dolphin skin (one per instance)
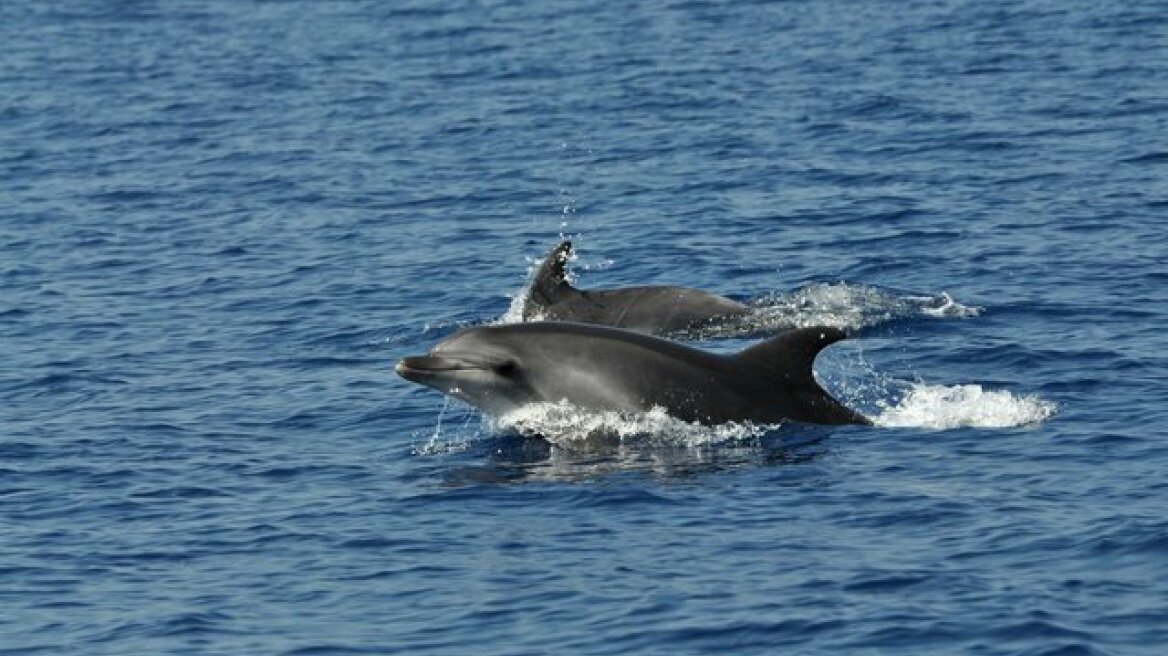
(654, 309)
(500, 368)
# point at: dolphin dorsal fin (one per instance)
(550, 280)
(790, 356)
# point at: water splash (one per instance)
(942, 407)
(569, 426)
(440, 442)
(514, 313)
(897, 403)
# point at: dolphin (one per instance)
(499, 368)
(655, 310)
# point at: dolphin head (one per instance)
(475, 366)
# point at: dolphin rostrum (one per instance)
(655, 310)
(502, 367)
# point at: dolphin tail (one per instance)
(788, 359)
(550, 281)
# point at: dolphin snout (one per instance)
(412, 362)
(402, 367)
(414, 367)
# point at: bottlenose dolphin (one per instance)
(499, 368)
(655, 310)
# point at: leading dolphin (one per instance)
(502, 367)
(654, 310)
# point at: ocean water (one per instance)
(223, 222)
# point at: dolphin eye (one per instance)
(506, 369)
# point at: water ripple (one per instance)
(225, 221)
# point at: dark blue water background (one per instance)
(222, 222)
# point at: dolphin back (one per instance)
(649, 309)
(787, 361)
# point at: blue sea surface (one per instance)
(221, 223)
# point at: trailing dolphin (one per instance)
(502, 367)
(655, 310)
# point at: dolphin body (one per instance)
(654, 310)
(502, 367)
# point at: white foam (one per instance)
(948, 307)
(569, 426)
(514, 313)
(943, 407)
